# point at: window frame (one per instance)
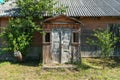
(44, 36)
(78, 41)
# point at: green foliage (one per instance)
(37, 8)
(105, 40)
(18, 33)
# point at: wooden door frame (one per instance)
(60, 30)
(61, 21)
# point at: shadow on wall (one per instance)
(35, 54)
(86, 49)
(7, 57)
(33, 57)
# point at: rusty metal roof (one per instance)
(75, 8)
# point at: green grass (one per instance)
(90, 69)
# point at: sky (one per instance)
(1, 1)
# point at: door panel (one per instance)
(61, 49)
(56, 46)
(65, 45)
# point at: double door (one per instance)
(61, 45)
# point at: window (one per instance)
(47, 37)
(75, 37)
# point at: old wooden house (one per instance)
(66, 34)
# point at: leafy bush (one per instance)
(105, 40)
(18, 34)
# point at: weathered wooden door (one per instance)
(56, 46)
(61, 48)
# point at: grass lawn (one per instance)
(91, 69)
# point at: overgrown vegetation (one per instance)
(90, 70)
(106, 41)
(18, 33)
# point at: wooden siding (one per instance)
(58, 26)
(75, 53)
(47, 51)
(47, 56)
(35, 49)
(86, 49)
(51, 26)
(115, 29)
(90, 23)
(37, 40)
(3, 23)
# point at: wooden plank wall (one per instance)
(75, 53)
(92, 50)
(115, 29)
(86, 49)
(47, 56)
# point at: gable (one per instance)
(62, 19)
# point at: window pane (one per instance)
(75, 37)
(47, 37)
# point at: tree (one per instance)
(105, 40)
(18, 33)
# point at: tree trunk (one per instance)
(104, 63)
(18, 56)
